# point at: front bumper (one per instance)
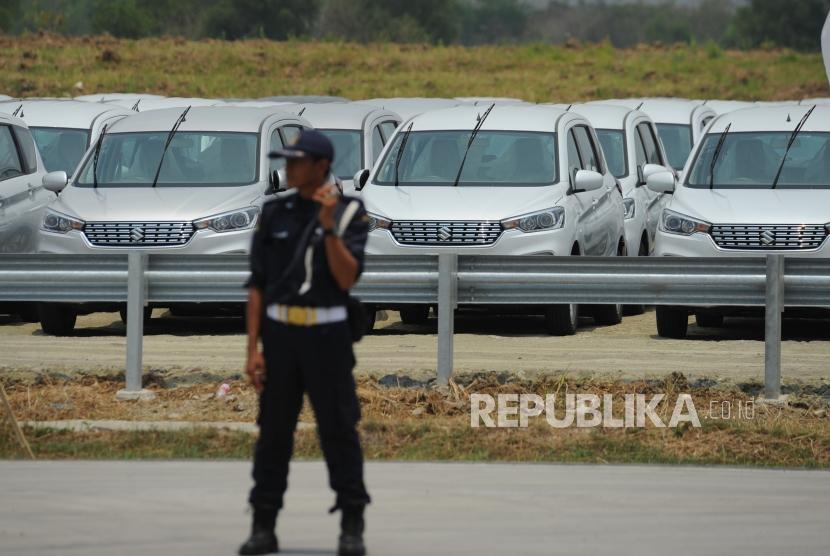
(702, 245)
(203, 242)
(510, 242)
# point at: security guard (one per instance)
(306, 253)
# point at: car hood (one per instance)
(154, 204)
(754, 206)
(457, 203)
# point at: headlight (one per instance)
(60, 223)
(229, 221)
(629, 208)
(548, 219)
(376, 222)
(676, 223)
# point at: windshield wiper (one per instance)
(795, 133)
(470, 142)
(716, 154)
(95, 156)
(170, 135)
(404, 139)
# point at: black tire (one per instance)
(415, 314)
(672, 322)
(28, 312)
(631, 310)
(371, 317)
(709, 320)
(148, 311)
(608, 315)
(561, 320)
(57, 319)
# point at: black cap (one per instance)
(309, 143)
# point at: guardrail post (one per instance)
(447, 301)
(772, 328)
(136, 299)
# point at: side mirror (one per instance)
(360, 179)
(661, 182)
(651, 169)
(277, 182)
(587, 180)
(55, 181)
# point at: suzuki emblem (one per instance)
(136, 234)
(444, 233)
(767, 237)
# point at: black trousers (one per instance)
(318, 360)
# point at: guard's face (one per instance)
(305, 172)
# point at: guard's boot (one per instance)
(351, 532)
(263, 540)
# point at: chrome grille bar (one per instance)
(426, 232)
(770, 237)
(133, 234)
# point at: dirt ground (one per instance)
(196, 347)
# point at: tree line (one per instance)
(748, 24)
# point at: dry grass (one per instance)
(427, 423)
(36, 65)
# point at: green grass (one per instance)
(48, 65)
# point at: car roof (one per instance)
(672, 110)
(103, 97)
(773, 118)
(723, 106)
(502, 117)
(199, 118)
(73, 114)
(305, 99)
(606, 116)
(407, 107)
(340, 115)
(8, 119)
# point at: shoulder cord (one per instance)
(342, 224)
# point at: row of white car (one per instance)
(485, 176)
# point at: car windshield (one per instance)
(613, 146)
(348, 157)
(194, 158)
(495, 158)
(677, 140)
(751, 160)
(61, 148)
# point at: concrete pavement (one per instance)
(197, 508)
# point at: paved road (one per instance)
(482, 343)
(196, 508)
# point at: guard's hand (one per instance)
(255, 369)
(326, 196)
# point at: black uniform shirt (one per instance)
(280, 230)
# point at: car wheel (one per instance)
(607, 315)
(708, 320)
(371, 317)
(148, 312)
(672, 322)
(562, 320)
(57, 319)
(28, 312)
(415, 314)
(638, 309)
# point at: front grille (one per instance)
(137, 234)
(446, 233)
(774, 236)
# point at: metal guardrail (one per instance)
(446, 280)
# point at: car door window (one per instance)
(290, 134)
(10, 164)
(28, 150)
(574, 162)
(377, 142)
(276, 144)
(388, 128)
(650, 144)
(639, 149)
(587, 149)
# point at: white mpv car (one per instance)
(758, 182)
(171, 181)
(502, 180)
